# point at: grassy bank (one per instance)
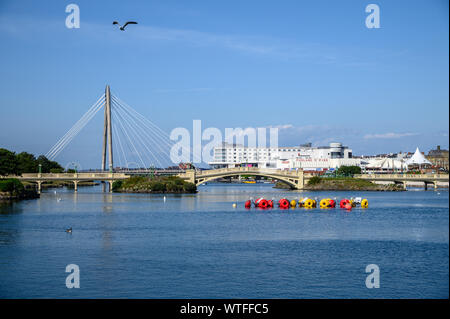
(344, 184)
(348, 184)
(159, 185)
(11, 189)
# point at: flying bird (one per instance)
(127, 23)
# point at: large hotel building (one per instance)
(304, 156)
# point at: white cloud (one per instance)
(281, 126)
(389, 135)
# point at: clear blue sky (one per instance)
(310, 66)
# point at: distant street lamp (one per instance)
(40, 168)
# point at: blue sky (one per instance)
(310, 67)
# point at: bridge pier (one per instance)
(190, 176)
(110, 183)
(39, 186)
(404, 184)
(75, 186)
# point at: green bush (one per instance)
(349, 170)
(117, 185)
(155, 184)
(190, 188)
(11, 185)
(314, 180)
(157, 187)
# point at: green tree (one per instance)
(8, 162)
(47, 164)
(26, 163)
(314, 180)
(349, 170)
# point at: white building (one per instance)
(303, 156)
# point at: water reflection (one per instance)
(10, 207)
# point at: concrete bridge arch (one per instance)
(292, 178)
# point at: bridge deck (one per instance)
(72, 176)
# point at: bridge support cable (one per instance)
(154, 129)
(126, 142)
(145, 137)
(76, 128)
(140, 137)
(153, 139)
(117, 143)
(134, 132)
(125, 148)
(134, 150)
(147, 134)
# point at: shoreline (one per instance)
(27, 194)
(154, 185)
(13, 189)
(345, 184)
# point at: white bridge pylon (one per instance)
(130, 136)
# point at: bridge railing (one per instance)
(71, 175)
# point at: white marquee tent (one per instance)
(387, 164)
(417, 159)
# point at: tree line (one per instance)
(16, 164)
(348, 170)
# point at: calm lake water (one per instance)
(199, 246)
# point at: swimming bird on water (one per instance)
(127, 23)
(69, 230)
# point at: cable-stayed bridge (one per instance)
(129, 138)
